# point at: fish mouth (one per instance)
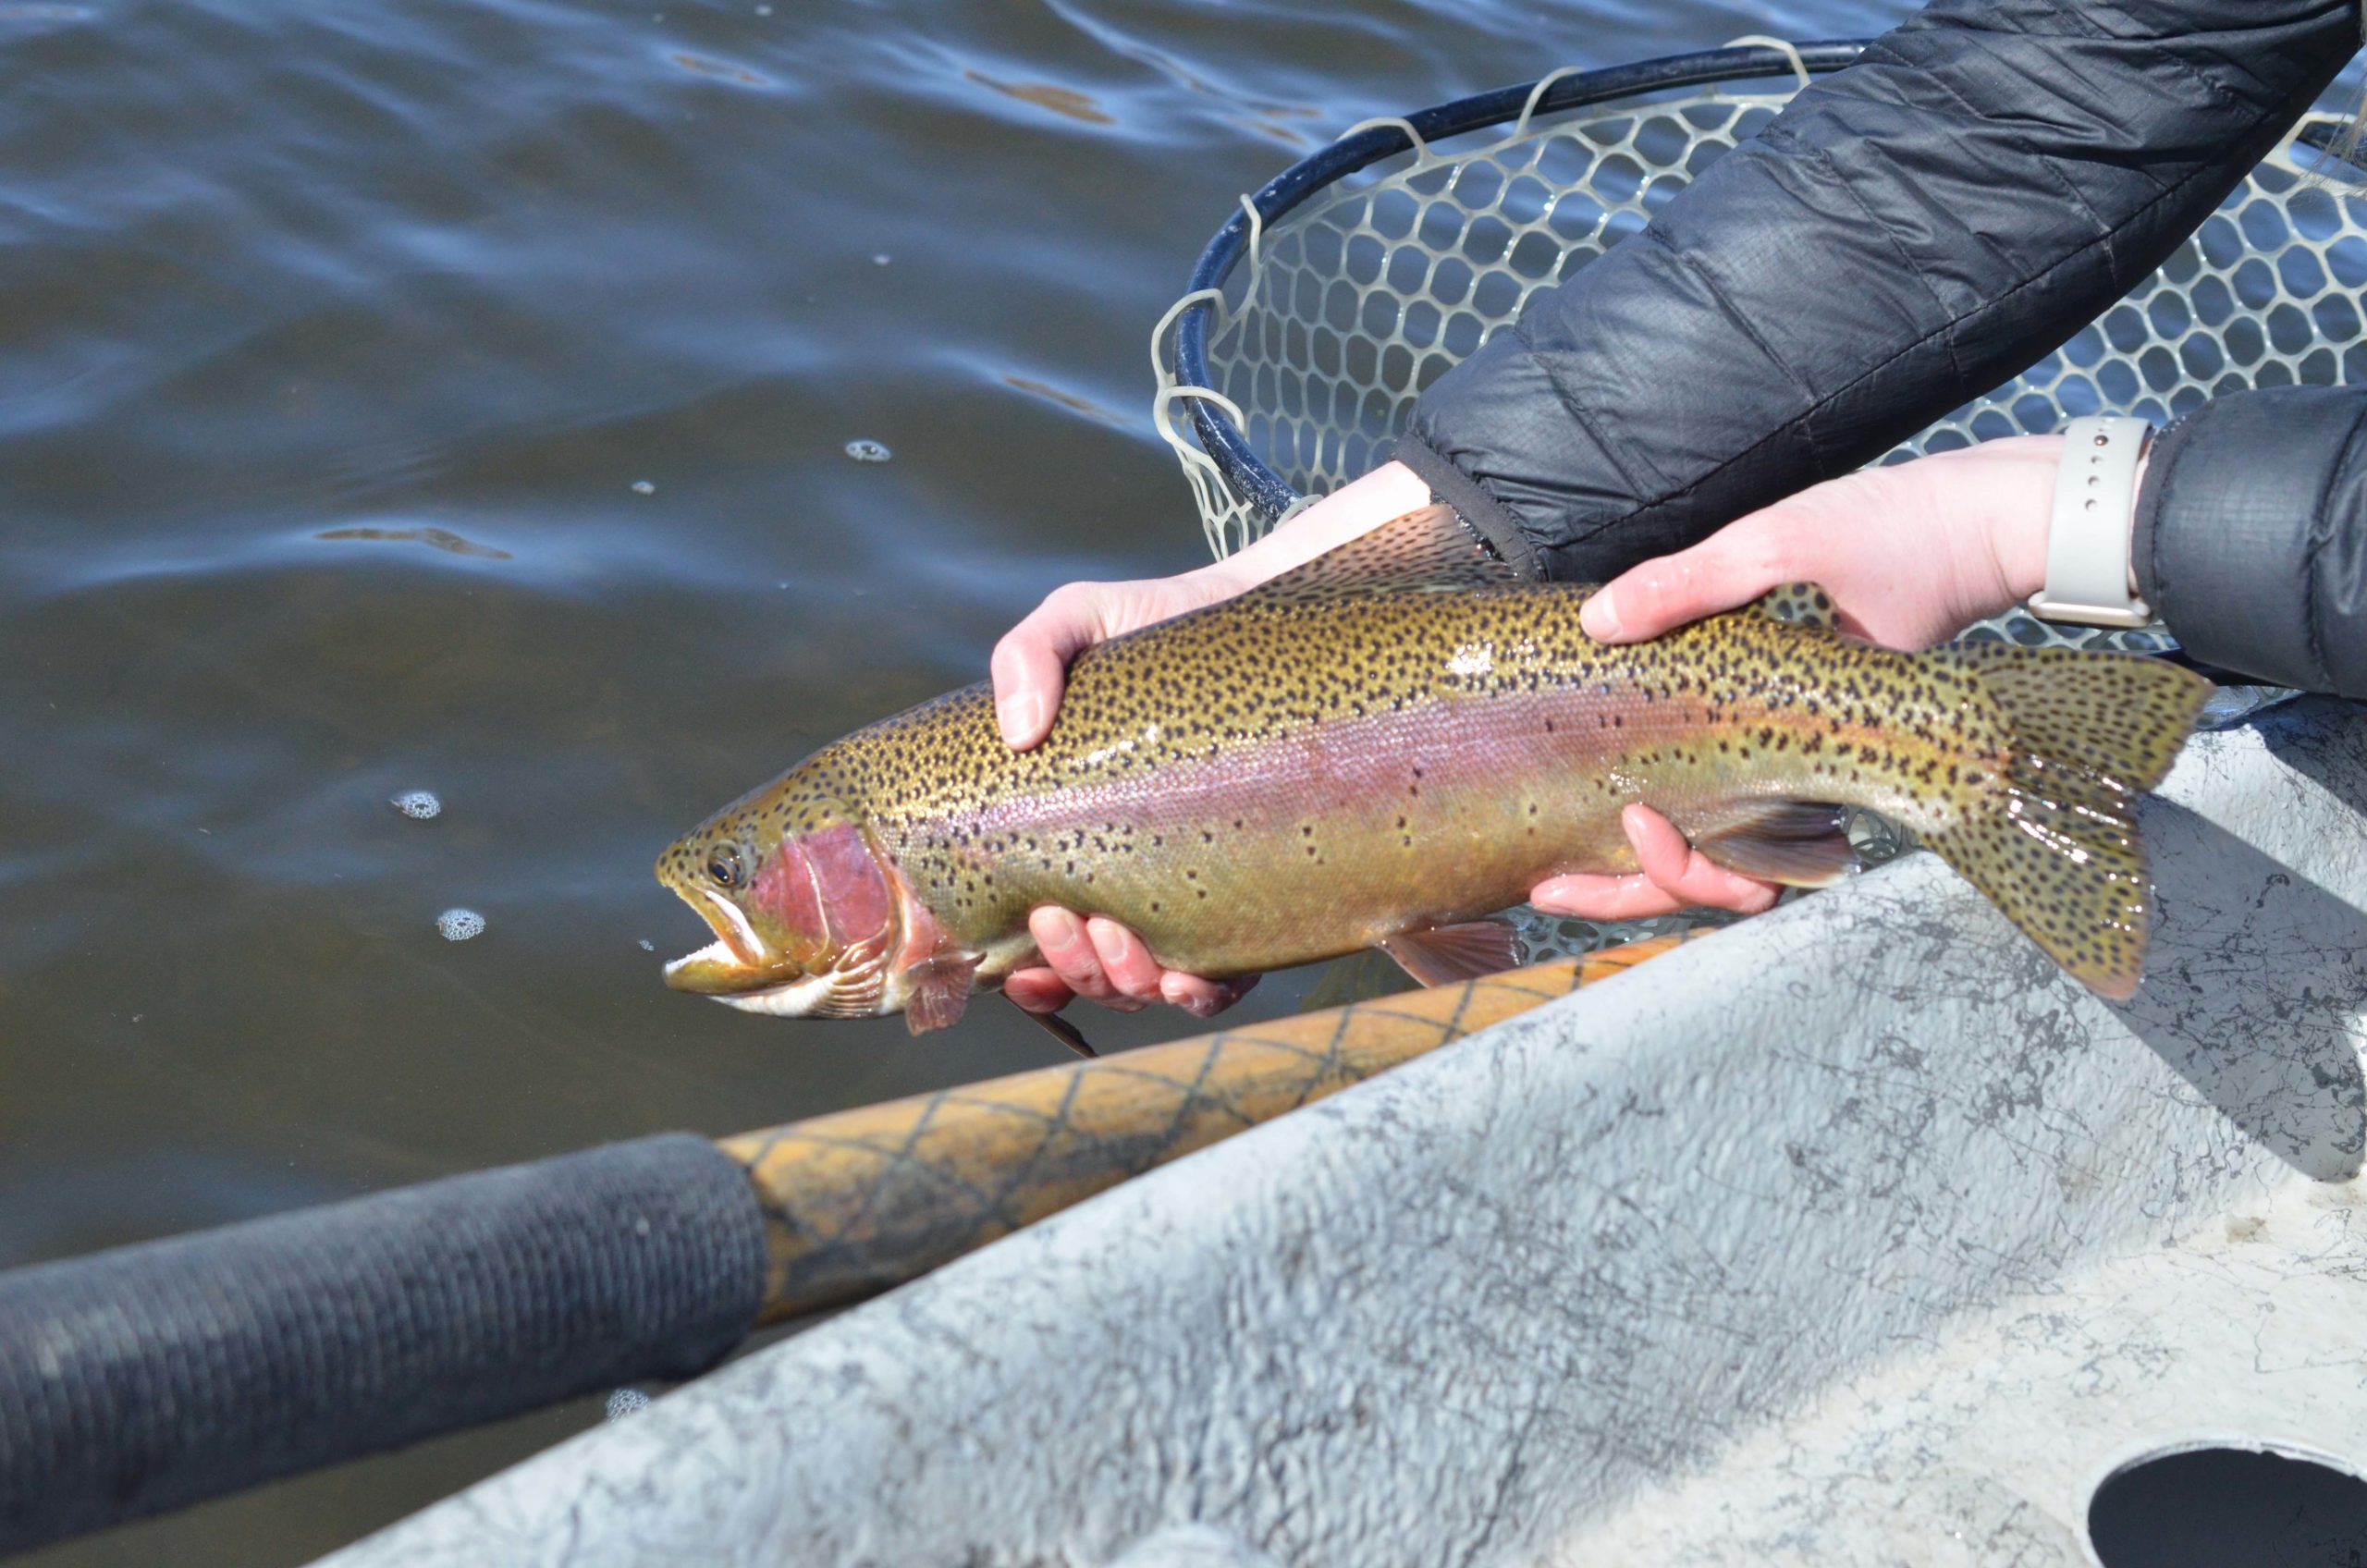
(780, 990)
(738, 963)
(742, 969)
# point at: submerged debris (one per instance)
(435, 538)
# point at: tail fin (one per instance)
(2053, 844)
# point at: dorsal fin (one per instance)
(1803, 604)
(1426, 551)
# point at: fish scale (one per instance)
(1399, 738)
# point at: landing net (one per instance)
(1361, 274)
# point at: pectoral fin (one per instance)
(1795, 842)
(940, 991)
(1444, 954)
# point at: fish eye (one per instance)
(723, 865)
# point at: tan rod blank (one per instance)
(860, 1200)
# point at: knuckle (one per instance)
(1655, 587)
(1072, 598)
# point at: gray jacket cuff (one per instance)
(1481, 511)
(2251, 535)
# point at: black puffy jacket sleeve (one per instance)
(1910, 232)
(2251, 535)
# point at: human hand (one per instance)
(1030, 664)
(1911, 553)
(1672, 875)
(1098, 958)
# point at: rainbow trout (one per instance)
(1394, 740)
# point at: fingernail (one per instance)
(1020, 715)
(1066, 930)
(1598, 618)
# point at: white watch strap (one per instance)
(2087, 541)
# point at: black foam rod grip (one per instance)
(151, 1376)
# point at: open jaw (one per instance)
(740, 969)
(739, 966)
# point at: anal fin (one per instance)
(1444, 954)
(940, 991)
(1795, 842)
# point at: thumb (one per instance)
(1030, 665)
(1721, 572)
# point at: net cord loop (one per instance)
(1257, 233)
(1784, 46)
(1536, 95)
(1220, 320)
(1403, 126)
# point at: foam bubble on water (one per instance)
(627, 1402)
(648, 946)
(644, 487)
(880, 258)
(868, 451)
(418, 805)
(460, 925)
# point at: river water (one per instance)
(455, 397)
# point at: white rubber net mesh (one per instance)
(1343, 310)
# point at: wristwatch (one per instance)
(2087, 543)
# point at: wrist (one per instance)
(2021, 508)
(1353, 510)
